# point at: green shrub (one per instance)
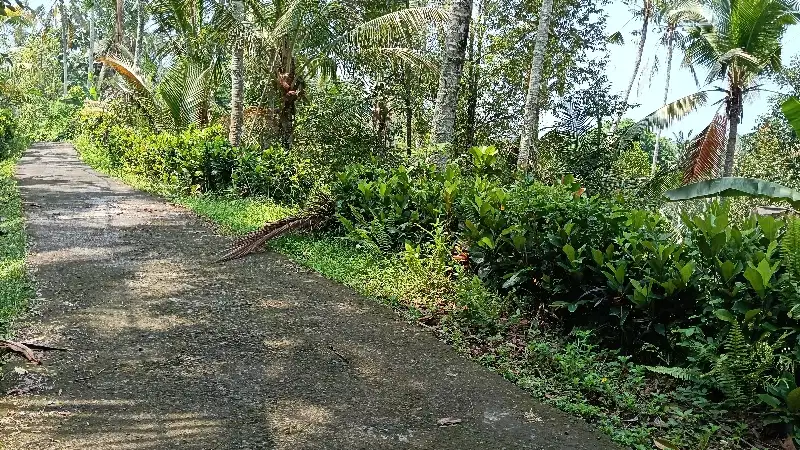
(8, 132)
(195, 160)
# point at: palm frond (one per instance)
(705, 152)
(664, 116)
(383, 30)
(316, 215)
(403, 56)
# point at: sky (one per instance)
(650, 96)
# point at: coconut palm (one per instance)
(644, 10)
(675, 17)
(310, 38)
(444, 116)
(237, 79)
(742, 44)
(530, 132)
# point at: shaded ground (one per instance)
(170, 351)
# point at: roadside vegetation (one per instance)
(15, 287)
(648, 284)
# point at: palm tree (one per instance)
(118, 24)
(63, 10)
(673, 18)
(308, 39)
(530, 132)
(444, 116)
(237, 79)
(646, 12)
(742, 44)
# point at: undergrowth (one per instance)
(15, 288)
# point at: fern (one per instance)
(790, 248)
(680, 373)
(737, 373)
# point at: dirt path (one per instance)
(172, 352)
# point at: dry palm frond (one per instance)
(700, 160)
(704, 152)
(313, 217)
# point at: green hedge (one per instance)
(195, 161)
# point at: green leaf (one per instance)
(569, 251)
(686, 271)
(770, 400)
(749, 315)
(791, 109)
(735, 187)
(728, 270)
(598, 257)
(754, 277)
(486, 241)
(724, 314)
(793, 400)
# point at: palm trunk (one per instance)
(444, 116)
(637, 62)
(237, 82)
(734, 111)
(530, 131)
(409, 111)
(408, 103)
(670, 50)
(64, 45)
(140, 19)
(90, 59)
(118, 23)
(475, 56)
(290, 89)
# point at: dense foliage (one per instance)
(683, 321)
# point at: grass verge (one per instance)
(15, 287)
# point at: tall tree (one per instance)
(237, 77)
(444, 116)
(92, 39)
(673, 18)
(64, 62)
(645, 12)
(119, 16)
(141, 18)
(476, 38)
(530, 131)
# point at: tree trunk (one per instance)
(444, 116)
(409, 111)
(64, 45)
(530, 130)
(670, 50)
(408, 102)
(90, 59)
(475, 56)
(118, 26)
(734, 111)
(647, 7)
(237, 81)
(290, 89)
(140, 20)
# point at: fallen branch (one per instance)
(37, 346)
(20, 348)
